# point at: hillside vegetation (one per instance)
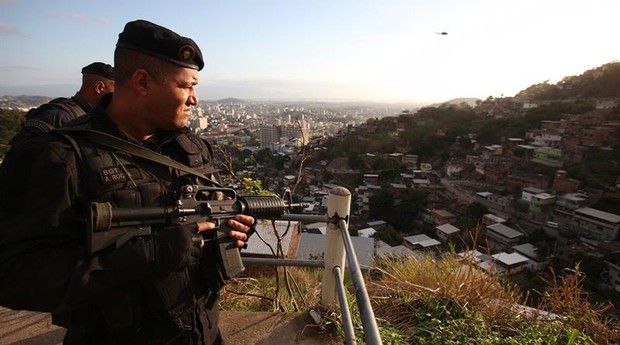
(451, 131)
(441, 301)
(600, 82)
(10, 123)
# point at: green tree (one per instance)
(262, 156)
(472, 215)
(611, 205)
(380, 205)
(476, 210)
(412, 201)
(10, 124)
(355, 161)
(389, 236)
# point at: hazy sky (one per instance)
(375, 50)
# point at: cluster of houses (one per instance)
(507, 249)
(559, 205)
(507, 252)
(307, 242)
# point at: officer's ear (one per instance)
(100, 87)
(140, 81)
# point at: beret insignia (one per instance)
(186, 53)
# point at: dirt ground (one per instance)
(246, 328)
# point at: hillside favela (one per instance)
(474, 221)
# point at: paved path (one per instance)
(247, 328)
(28, 328)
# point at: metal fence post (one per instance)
(338, 205)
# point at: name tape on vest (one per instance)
(112, 175)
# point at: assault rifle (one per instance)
(108, 226)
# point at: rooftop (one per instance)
(366, 232)
(533, 190)
(443, 213)
(594, 213)
(377, 223)
(527, 249)
(422, 240)
(544, 196)
(448, 229)
(504, 230)
(510, 259)
(494, 218)
(396, 251)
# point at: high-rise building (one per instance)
(198, 122)
(269, 135)
(276, 137)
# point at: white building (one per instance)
(446, 231)
(528, 192)
(377, 224)
(366, 232)
(421, 241)
(502, 237)
(596, 224)
(490, 219)
(505, 263)
(535, 261)
(547, 139)
(198, 124)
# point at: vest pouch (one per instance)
(126, 198)
(177, 298)
(151, 193)
(210, 266)
(120, 308)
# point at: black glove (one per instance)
(176, 248)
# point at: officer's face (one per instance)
(173, 98)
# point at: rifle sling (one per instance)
(133, 149)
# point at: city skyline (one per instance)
(364, 50)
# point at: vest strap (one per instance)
(133, 149)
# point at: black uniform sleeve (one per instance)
(39, 237)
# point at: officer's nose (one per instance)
(192, 100)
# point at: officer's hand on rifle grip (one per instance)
(243, 226)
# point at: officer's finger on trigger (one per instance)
(205, 226)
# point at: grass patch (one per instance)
(443, 300)
(288, 289)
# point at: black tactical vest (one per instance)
(114, 176)
(39, 120)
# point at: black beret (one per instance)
(152, 39)
(100, 69)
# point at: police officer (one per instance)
(160, 288)
(97, 80)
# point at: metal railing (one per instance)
(338, 245)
